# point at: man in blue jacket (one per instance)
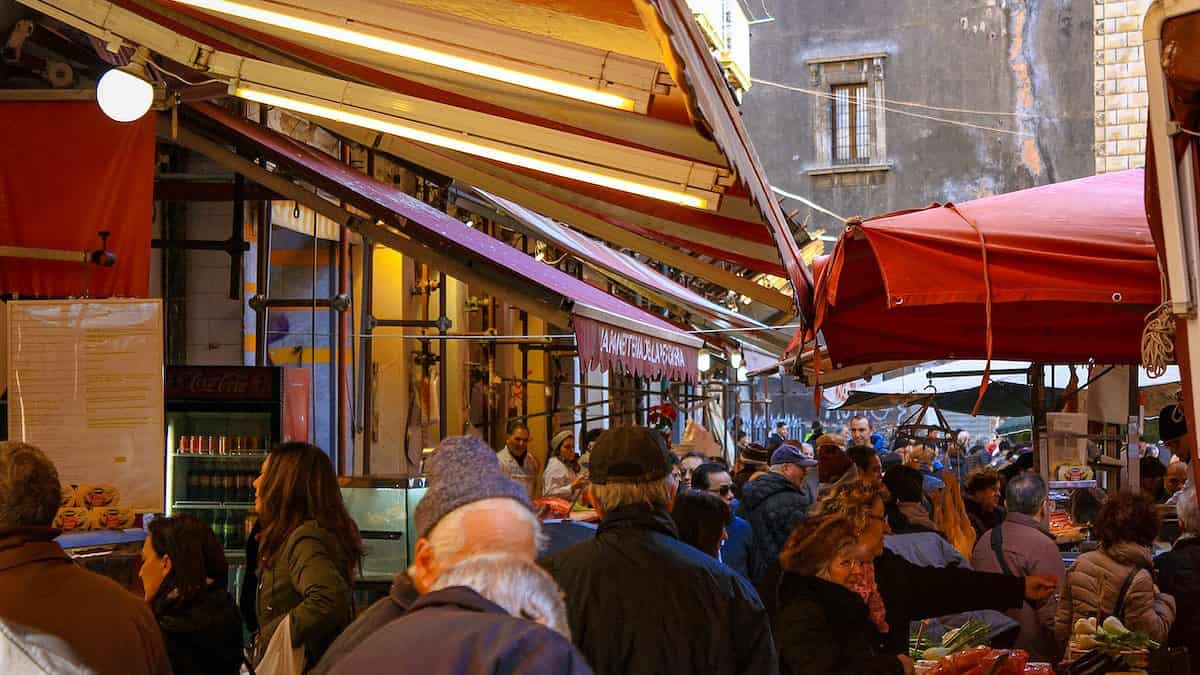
(738, 551)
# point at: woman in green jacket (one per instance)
(309, 549)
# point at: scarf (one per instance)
(869, 591)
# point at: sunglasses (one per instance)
(723, 490)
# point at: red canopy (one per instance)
(1070, 273)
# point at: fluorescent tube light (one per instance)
(371, 38)
(465, 144)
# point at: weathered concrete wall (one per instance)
(1030, 60)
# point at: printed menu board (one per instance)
(85, 381)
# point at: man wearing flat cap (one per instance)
(1173, 430)
(639, 600)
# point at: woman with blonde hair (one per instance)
(823, 625)
(308, 551)
(911, 592)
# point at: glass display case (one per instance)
(221, 422)
(382, 507)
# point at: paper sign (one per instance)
(85, 383)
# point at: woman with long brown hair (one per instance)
(308, 550)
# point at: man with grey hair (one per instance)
(640, 601)
(1179, 575)
(42, 591)
(471, 507)
(1023, 546)
(490, 613)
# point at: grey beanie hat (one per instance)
(560, 438)
(463, 470)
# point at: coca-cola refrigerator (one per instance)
(221, 422)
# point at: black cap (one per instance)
(1171, 423)
(629, 455)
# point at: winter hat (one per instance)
(560, 438)
(1171, 423)
(755, 455)
(630, 455)
(462, 470)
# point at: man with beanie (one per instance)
(470, 508)
(639, 600)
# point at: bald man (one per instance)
(1177, 475)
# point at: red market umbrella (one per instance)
(1059, 274)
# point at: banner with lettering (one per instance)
(603, 346)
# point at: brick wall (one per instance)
(1120, 80)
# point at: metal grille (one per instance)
(851, 125)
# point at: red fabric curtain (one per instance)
(68, 173)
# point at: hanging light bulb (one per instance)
(124, 93)
(704, 362)
(742, 373)
(735, 358)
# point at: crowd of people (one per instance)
(798, 558)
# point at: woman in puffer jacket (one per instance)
(1126, 527)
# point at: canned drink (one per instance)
(185, 445)
(222, 445)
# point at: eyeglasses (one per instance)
(722, 490)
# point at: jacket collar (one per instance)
(403, 593)
(633, 517)
(836, 600)
(1028, 521)
(457, 597)
(24, 545)
(1129, 553)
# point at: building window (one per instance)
(848, 124)
(851, 131)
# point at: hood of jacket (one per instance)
(1129, 553)
(211, 611)
(763, 488)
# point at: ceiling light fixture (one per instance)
(125, 94)
(467, 47)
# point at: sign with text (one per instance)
(603, 346)
(85, 384)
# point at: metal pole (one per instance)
(263, 284)
(442, 385)
(367, 378)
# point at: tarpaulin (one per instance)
(69, 173)
(1070, 273)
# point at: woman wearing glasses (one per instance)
(823, 625)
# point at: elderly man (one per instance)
(1177, 475)
(471, 508)
(773, 503)
(488, 614)
(640, 601)
(518, 462)
(1023, 546)
(42, 591)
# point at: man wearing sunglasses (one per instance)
(738, 550)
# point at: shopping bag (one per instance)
(281, 658)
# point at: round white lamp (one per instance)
(124, 96)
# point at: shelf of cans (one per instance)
(224, 446)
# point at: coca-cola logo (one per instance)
(223, 382)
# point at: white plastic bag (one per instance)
(281, 658)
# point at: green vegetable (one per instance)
(971, 634)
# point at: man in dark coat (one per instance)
(471, 507)
(773, 503)
(457, 631)
(738, 549)
(641, 602)
(1179, 575)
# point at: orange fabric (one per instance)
(68, 174)
(1070, 274)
